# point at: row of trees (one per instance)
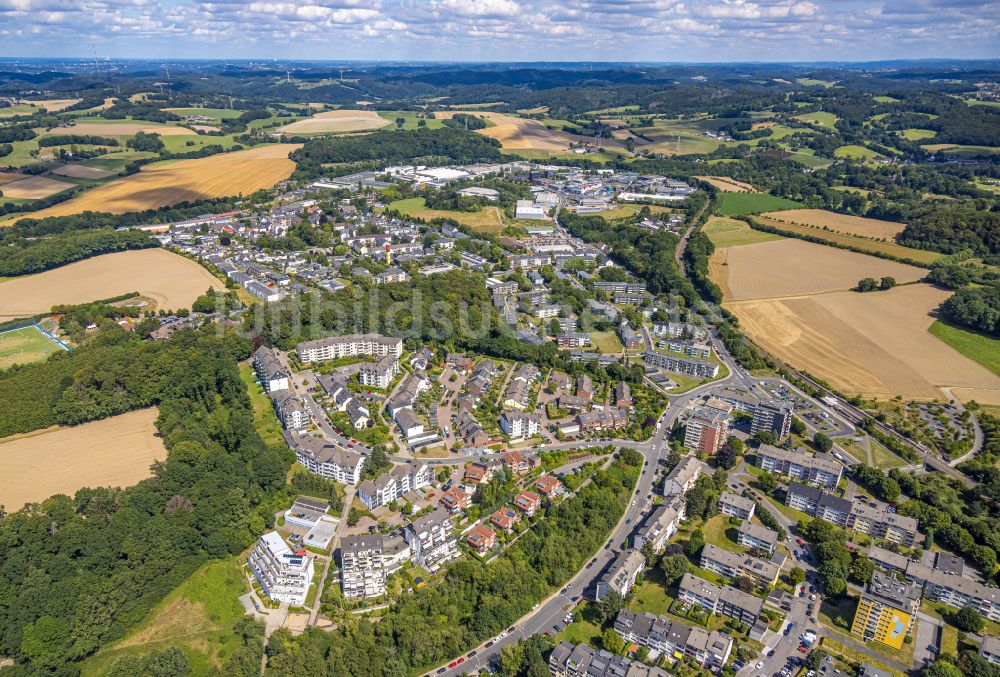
(36, 255)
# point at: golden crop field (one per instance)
(116, 128)
(79, 171)
(167, 183)
(172, 281)
(726, 232)
(34, 187)
(728, 185)
(115, 452)
(848, 240)
(841, 223)
(53, 105)
(10, 177)
(874, 344)
(520, 133)
(337, 121)
(486, 220)
(790, 267)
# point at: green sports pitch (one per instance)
(24, 345)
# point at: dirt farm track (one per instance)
(116, 451)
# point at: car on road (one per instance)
(812, 596)
(441, 670)
(804, 649)
(563, 591)
(452, 664)
(471, 654)
(770, 653)
(759, 665)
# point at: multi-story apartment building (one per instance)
(573, 340)
(880, 523)
(735, 505)
(818, 503)
(772, 417)
(955, 590)
(519, 424)
(362, 571)
(688, 348)
(379, 374)
(353, 345)
(621, 574)
(620, 287)
(323, 459)
(432, 538)
(660, 525)
(674, 639)
(284, 574)
(723, 600)
(990, 649)
(801, 465)
(681, 365)
(270, 371)
(757, 536)
(735, 566)
(391, 485)
(481, 538)
(706, 431)
(886, 610)
(289, 409)
(679, 330)
(580, 660)
(602, 419)
(683, 476)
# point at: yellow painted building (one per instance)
(885, 611)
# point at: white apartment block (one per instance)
(270, 371)
(621, 574)
(681, 365)
(733, 565)
(392, 485)
(735, 505)
(990, 649)
(660, 526)
(284, 575)
(432, 539)
(323, 459)
(802, 465)
(674, 639)
(723, 600)
(353, 345)
(757, 537)
(289, 409)
(517, 424)
(379, 374)
(362, 571)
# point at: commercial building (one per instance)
(353, 345)
(886, 610)
(621, 574)
(706, 431)
(681, 365)
(392, 485)
(735, 566)
(284, 575)
(772, 417)
(271, 373)
(802, 465)
(756, 536)
(735, 505)
(673, 639)
(527, 209)
(362, 571)
(432, 539)
(323, 459)
(723, 600)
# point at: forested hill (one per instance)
(77, 573)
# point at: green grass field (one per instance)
(737, 204)
(813, 82)
(914, 134)
(606, 341)
(885, 99)
(725, 232)
(24, 345)
(217, 113)
(854, 152)
(114, 162)
(412, 121)
(977, 347)
(18, 109)
(959, 150)
(819, 118)
(486, 220)
(264, 419)
(197, 617)
(720, 533)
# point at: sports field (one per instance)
(486, 220)
(841, 223)
(116, 451)
(167, 183)
(24, 345)
(172, 281)
(337, 121)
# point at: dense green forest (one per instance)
(440, 146)
(78, 572)
(36, 255)
(473, 602)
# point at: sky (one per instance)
(503, 30)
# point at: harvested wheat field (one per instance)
(53, 105)
(116, 452)
(520, 133)
(874, 344)
(82, 172)
(172, 281)
(10, 177)
(790, 267)
(34, 187)
(337, 121)
(840, 223)
(118, 129)
(728, 185)
(167, 183)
